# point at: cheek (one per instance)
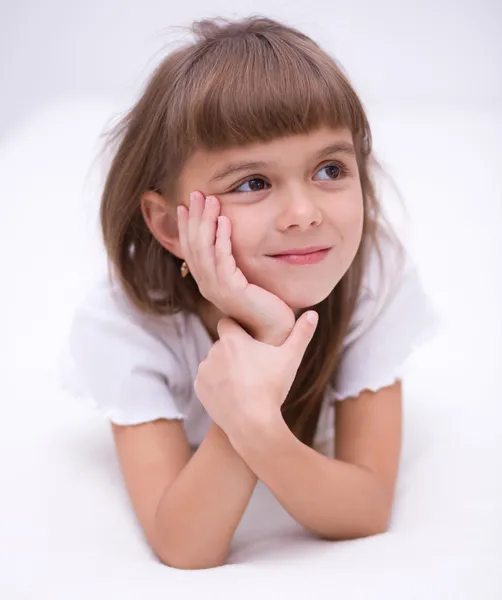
(348, 217)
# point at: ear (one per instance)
(160, 216)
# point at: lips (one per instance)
(303, 256)
(301, 251)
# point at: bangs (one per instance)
(252, 88)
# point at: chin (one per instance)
(304, 298)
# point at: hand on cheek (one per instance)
(205, 239)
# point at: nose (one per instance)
(298, 211)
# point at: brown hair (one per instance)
(239, 82)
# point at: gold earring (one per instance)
(184, 270)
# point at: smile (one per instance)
(310, 258)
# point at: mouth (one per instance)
(303, 256)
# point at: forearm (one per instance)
(199, 513)
(331, 498)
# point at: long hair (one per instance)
(238, 82)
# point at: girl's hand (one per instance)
(242, 383)
(207, 249)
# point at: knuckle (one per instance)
(229, 343)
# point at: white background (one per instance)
(430, 75)
(427, 53)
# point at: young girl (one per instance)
(254, 285)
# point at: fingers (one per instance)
(205, 241)
(225, 262)
(182, 232)
(228, 328)
(230, 277)
(196, 209)
(197, 230)
(300, 337)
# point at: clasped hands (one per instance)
(248, 372)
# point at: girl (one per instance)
(253, 286)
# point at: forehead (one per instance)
(297, 148)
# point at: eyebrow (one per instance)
(232, 168)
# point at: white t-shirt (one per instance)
(137, 368)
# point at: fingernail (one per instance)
(178, 211)
(208, 201)
(192, 198)
(312, 317)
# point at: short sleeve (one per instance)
(393, 317)
(114, 360)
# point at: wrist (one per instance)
(259, 433)
(274, 336)
(218, 436)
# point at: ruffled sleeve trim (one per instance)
(115, 362)
(434, 328)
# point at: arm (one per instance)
(347, 497)
(198, 514)
(188, 507)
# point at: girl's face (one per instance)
(290, 194)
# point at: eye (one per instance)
(334, 171)
(256, 184)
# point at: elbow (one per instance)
(380, 523)
(371, 519)
(361, 529)
(173, 549)
(188, 565)
(380, 510)
(379, 518)
(179, 560)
